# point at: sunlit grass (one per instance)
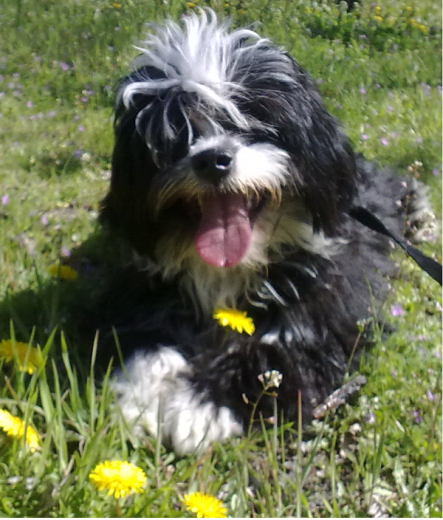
(59, 63)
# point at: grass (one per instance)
(379, 69)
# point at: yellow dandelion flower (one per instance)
(28, 358)
(116, 6)
(204, 506)
(16, 427)
(190, 5)
(235, 319)
(378, 18)
(118, 478)
(377, 9)
(422, 28)
(64, 272)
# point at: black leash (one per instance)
(369, 220)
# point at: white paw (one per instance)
(155, 395)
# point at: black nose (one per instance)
(212, 165)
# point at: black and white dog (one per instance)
(231, 186)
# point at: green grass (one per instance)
(59, 63)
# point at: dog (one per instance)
(232, 188)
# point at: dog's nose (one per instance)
(212, 165)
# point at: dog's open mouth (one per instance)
(224, 233)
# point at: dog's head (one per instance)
(224, 152)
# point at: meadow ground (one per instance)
(379, 69)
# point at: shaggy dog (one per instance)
(232, 188)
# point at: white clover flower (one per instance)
(271, 379)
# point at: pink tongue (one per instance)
(224, 233)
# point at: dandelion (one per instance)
(16, 427)
(28, 358)
(378, 18)
(204, 506)
(63, 272)
(235, 319)
(118, 478)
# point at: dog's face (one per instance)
(225, 155)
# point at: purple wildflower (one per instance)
(430, 395)
(397, 310)
(364, 137)
(44, 220)
(362, 91)
(369, 418)
(64, 66)
(384, 141)
(81, 128)
(5, 199)
(65, 252)
(417, 416)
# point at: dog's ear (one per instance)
(322, 152)
(284, 96)
(124, 209)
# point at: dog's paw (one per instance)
(155, 395)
